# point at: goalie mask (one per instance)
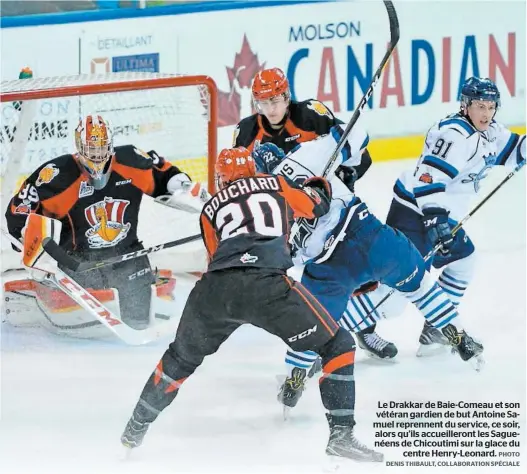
(233, 164)
(94, 143)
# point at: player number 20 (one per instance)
(232, 216)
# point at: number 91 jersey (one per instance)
(310, 159)
(456, 158)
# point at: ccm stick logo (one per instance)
(90, 301)
(303, 334)
(140, 253)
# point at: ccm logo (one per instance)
(303, 334)
(140, 253)
(140, 273)
(92, 302)
(401, 283)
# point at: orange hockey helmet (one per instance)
(270, 83)
(233, 164)
(94, 143)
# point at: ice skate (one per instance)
(376, 346)
(431, 341)
(291, 390)
(468, 348)
(134, 433)
(342, 442)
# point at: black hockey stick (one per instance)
(455, 230)
(71, 263)
(394, 39)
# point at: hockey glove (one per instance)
(348, 175)
(267, 157)
(322, 186)
(435, 220)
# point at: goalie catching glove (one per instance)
(185, 195)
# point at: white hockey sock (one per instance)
(434, 304)
(455, 278)
(356, 317)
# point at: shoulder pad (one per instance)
(55, 176)
(134, 157)
(245, 131)
(313, 106)
(459, 124)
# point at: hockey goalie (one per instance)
(88, 203)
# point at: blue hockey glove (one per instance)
(267, 156)
(435, 220)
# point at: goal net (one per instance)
(174, 115)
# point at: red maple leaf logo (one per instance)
(246, 65)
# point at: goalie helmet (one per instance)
(233, 164)
(94, 143)
(270, 86)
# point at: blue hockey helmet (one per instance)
(477, 88)
(267, 156)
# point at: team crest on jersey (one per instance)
(46, 174)
(85, 189)
(106, 219)
(319, 108)
(426, 178)
(140, 152)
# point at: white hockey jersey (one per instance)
(309, 159)
(455, 158)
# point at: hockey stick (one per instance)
(94, 307)
(455, 230)
(71, 263)
(394, 39)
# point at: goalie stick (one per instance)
(92, 305)
(455, 230)
(394, 39)
(71, 263)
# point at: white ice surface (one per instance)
(65, 402)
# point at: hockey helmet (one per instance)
(477, 88)
(94, 143)
(233, 164)
(270, 84)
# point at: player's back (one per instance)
(247, 223)
(310, 159)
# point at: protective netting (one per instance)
(39, 116)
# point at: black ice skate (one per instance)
(134, 433)
(292, 388)
(376, 346)
(464, 345)
(342, 442)
(431, 341)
